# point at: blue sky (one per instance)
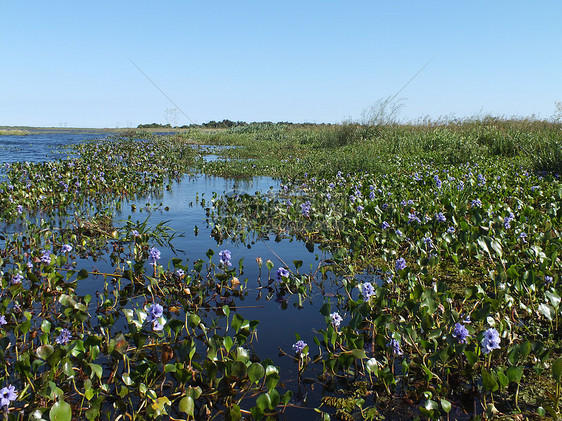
(67, 62)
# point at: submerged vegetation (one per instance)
(438, 294)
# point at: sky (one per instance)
(124, 63)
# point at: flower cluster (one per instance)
(154, 255)
(490, 340)
(64, 337)
(400, 264)
(299, 346)
(366, 289)
(7, 395)
(224, 257)
(336, 319)
(306, 207)
(395, 346)
(282, 273)
(46, 257)
(66, 248)
(155, 312)
(460, 333)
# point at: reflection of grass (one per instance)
(13, 132)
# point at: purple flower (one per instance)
(66, 248)
(299, 346)
(336, 319)
(154, 255)
(490, 340)
(46, 257)
(19, 209)
(428, 242)
(385, 225)
(17, 278)
(157, 326)
(413, 218)
(180, 272)
(440, 217)
(460, 333)
(3, 320)
(225, 257)
(438, 182)
(64, 336)
(154, 312)
(395, 345)
(366, 289)
(523, 237)
(282, 273)
(451, 230)
(481, 180)
(398, 233)
(400, 264)
(360, 208)
(7, 395)
(548, 279)
(306, 207)
(135, 233)
(476, 203)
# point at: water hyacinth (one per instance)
(385, 225)
(154, 256)
(3, 320)
(490, 340)
(306, 207)
(17, 278)
(46, 257)
(440, 217)
(7, 396)
(19, 209)
(154, 312)
(282, 273)
(224, 257)
(64, 337)
(366, 290)
(66, 248)
(336, 319)
(460, 333)
(394, 345)
(299, 346)
(476, 203)
(400, 264)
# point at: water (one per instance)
(279, 320)
(43, 145)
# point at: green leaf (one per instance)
(488, 381)
(256, 372)
(514, 374)
(187, 405)
(471, 357)
(503, 379)
(359, 353)
(60, 411)
(194, 320)
(45, 351)
(557, 370)
(547, 311)
(46, 326)
(233, 413)
(446, 405)
(263, 401)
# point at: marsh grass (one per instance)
(13, 132)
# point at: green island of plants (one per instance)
(441, 290)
